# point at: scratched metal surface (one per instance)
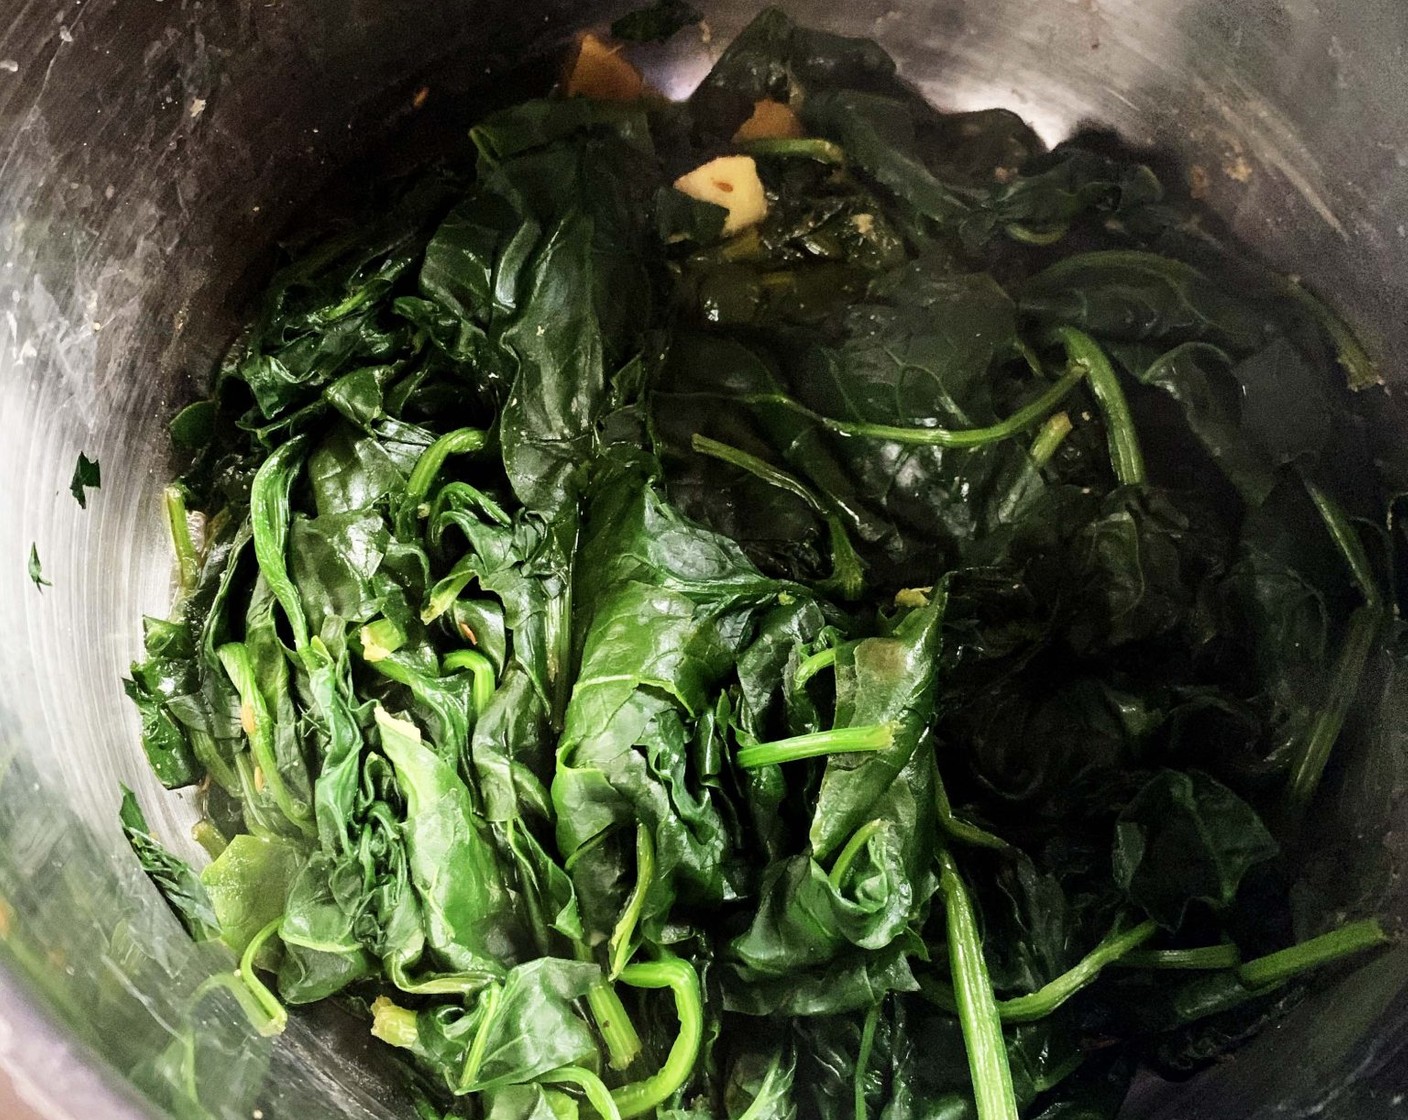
(151, 151)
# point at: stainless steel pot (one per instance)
(151, 151)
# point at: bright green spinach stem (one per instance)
(957, 828)
(813, 664)
(1049, 997)
(806, 147)
(839, 740)
(257, 1011)
(867, 1043)
(187, 556)
(428, 467)
(859, 839)
(482, 686)
(592, 1086)
(679, 976)
(623, 934)
(1019, 421)
(613, 1021)
(268, 1002)
(1276, 968)
(489, 1001)
(1126, 456)
(977, 1007)
(1225, 989)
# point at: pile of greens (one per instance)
(897, 660)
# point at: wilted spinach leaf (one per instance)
(87, 475)
(656, 23)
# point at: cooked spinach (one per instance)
(905, 656)
(36, 570)
(87, 475)
(655, 23)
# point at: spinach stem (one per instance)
(1028, 354)
(1347, 540)
(268, 1002)
(489, 1013)
(209, 756)
(846, 565)
(1029, 236)
(760, 469)
(394, 1025)
(187, 555)
(1360, 369)
(859, 838)
(807, 147)
(1126, 456)
(678, 975)
(977, 1007)
(1203, 957)
(1049, 438)
(755, 1109)
(956, 828)
(1019, 421)
(380, 639)
(429, 465)
(592, 1086)
(255, 1010)
(1223, 990)
(482, 687)
(622, 935)
(258, 724)
(839, 740)
(813, 664)
(1313, 752)
(614, 1024)
(1275, 968)
(559, 629)
(1047, 998)
(847, 577)
(867, 1043)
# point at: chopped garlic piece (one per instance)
(731, 182)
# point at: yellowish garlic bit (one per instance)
(731, 182)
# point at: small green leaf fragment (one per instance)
(36, 572)
(87, 475)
